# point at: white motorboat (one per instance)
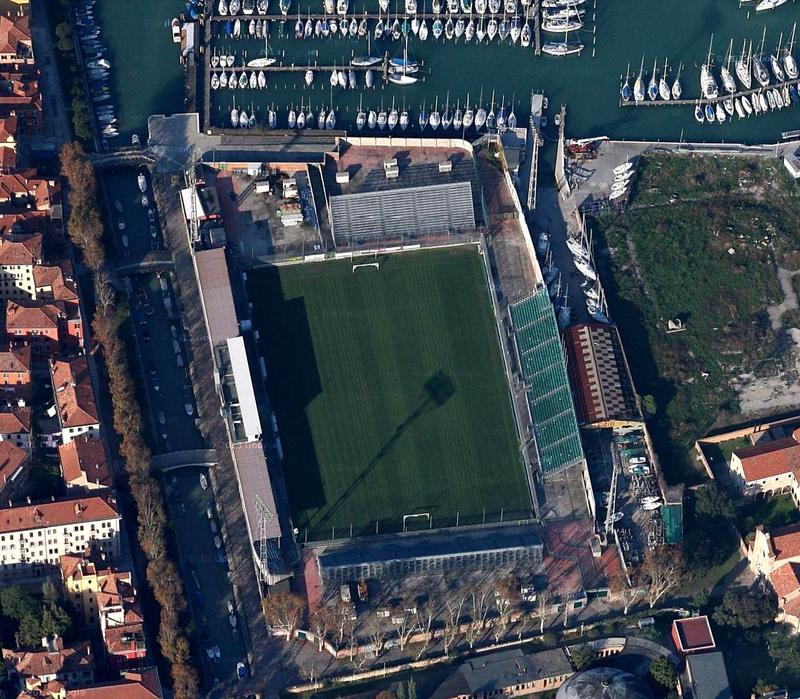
(330, 122)
(721, 116)
(234, 7)
(222, 7)
(309, 78)
(737, 104)
(234, 117)
(243, 81)
(244, 120)
(372, 119)
(141, 180)
(748, 107)
(265, 60)
(562, 48)
(625, 167)
(214, 81)
(272, 118)
(262, 79)
(253, 81)
(423, 30)
(769, 4)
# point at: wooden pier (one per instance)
(702, 100)
(385, 16)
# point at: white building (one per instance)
(792, 163)
(34, 537)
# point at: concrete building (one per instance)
(508, 673)
(708, 678)
(18, 256)
(483, 548)
(83, 464)
(15, 374)
(601, 381)
(34, 537)
(74, 399)
(769, 467)
(775, 555)
(15, 427)
(14, 463)
(70, 665)
(693, 635)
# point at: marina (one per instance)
(588, 84)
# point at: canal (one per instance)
(148, 78)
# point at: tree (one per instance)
(453, 606)
(284, 610)
(322, 621)
(544, 606)
(649, 404)
(663, 671)
(29, 633)
(627, 590)
(582, 656)
(378, 632)
(762, 687)
(506, 602)
(426, 612)
(50, 592)
(405, 620)
(17, 603)
(711, 501)
(480, 599)
(664, 569)
(785, 651)
(412, 688)
(745, 609)
(55, 621)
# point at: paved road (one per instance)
(270, 667)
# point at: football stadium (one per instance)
(388, 387)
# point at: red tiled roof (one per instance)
(43, 317)
(792, 607)
(139, 684)
(84, 457)
(15, 421)
(8, 129)
(51, 278)
(786, 579)
(74, 394)
(770, 459)
(73, 658)
(30, 222)
(12, 458)
(127, 638)
(13, 33)
(55, 514)
(16, 360)
(114, 589)
(694, 633)
(23, 250)
(786, 542)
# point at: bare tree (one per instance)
(322, 621)
(481, 602)
(506, 601)
(628, 590)
(426, 613)
(404, 619)
(664, 568)
(454, 602)
(284, 610)
(378, 631)
(342, 621)
(104, 292)
(544, 605)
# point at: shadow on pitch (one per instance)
(293, 383)
(436, 391)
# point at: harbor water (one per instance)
(147, 78)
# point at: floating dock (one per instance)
(702, 100)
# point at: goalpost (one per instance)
(362, 265)
(424, 515)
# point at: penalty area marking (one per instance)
(375, 265)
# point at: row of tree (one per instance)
(85, 230)
(81, 117)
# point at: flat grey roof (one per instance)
(254, 480)
(436, 208)
(708, 676)
(429, 545)
(216, 295)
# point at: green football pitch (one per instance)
(389, 392)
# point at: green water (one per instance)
(148, 78)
